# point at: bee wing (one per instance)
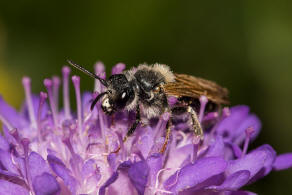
(194, 87)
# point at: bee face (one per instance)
(120, 93)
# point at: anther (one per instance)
(43, 97)
(99, 71)
(55, 90)
(76, 83)
(48, 84)
(27, 90)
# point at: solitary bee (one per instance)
(145, 89)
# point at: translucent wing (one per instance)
(194, 87)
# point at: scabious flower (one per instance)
(47, 150)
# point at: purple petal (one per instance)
(251, 121)
(283, 161)
(112, 161)
(232, 151)
(20, 162)
(233, 182)
(37, 165)
(88, 167)
(124, 167)
(228, 125)
(181, 155)
(35, 103)
(216, 148)
(60, 169)
(11, 115)
(91, 174)
(138, 174)
(111, 180)
(145, 143)
(261, 158)
(194, 174)
(6, 162)
(240, 193)
(14, 178)
(46, 184)
(155, 164)
(199, 192)
(9, 188)
(3, 144)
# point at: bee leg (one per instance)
(167, 136)
(132, 129)
(113, 120)
(195, 122)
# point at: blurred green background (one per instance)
(243, 45)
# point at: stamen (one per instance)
(203, 103)
(225, 113)
(6, 122)
(76, 83)
(158, 174)
(118, 68)
(48, 84)
(161, 124)
(248, 132)
(25, 143)
(196, 142)
(156, 188)
(101, 118)
(14, 133)
(99, 71)
(56, 86)
(66, 97)
(43, 97)
(27, 90)
(75, 164)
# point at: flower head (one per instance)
(47, 150)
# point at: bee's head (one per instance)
(120, 93)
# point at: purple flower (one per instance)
(47, 150)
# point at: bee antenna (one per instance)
(96, 100)
(88, 72)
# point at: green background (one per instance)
(244, 45)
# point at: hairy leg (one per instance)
(132, 128)
(167, 136)
(195, 123)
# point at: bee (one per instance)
(145, 90)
